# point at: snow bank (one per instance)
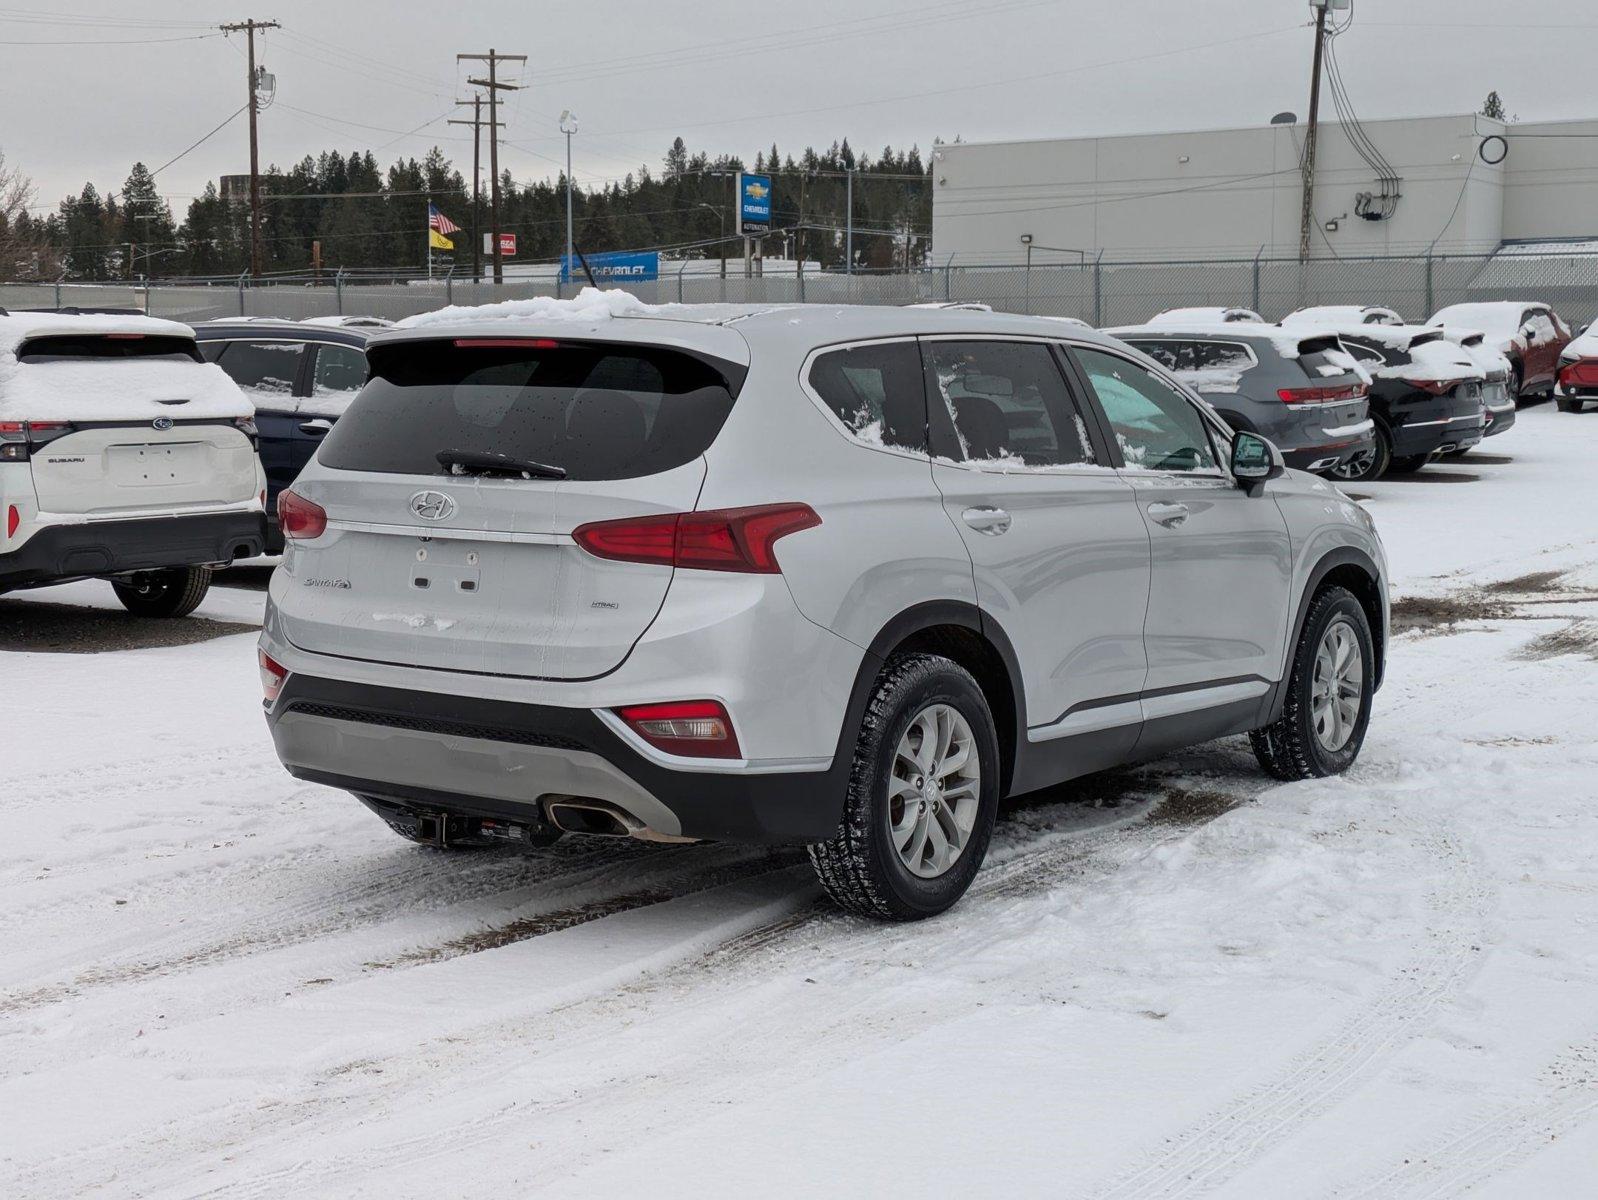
(125, 389)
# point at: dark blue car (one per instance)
(301, 375)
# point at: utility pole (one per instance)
(249, 27)
(1307, 216)
(848, 223)
(568, 126)
(493, 58)
(477, 175)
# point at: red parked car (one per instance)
(1578, 373)
(1528, 333)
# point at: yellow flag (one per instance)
(438, 241)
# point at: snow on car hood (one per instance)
(125, 389)
(1586, 346)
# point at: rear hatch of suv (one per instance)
(122, 424)
(453, 483)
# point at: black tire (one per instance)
(1409, 464)
(1568, 404)
(1364, 470)
(171, 593)
(859, 866)
(1288, 747)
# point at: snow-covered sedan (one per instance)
(123, 456)
(1343, 314)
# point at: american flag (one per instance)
(438, 221)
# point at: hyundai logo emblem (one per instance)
(433, 506)
(162, 423)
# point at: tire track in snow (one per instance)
(1074, 855)
(1505, 1135)
(1221, 1145)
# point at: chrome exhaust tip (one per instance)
(597, 818)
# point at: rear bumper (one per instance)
(432, 752)
(1499, 420)
(93, 548)
(1423, 424)
(1341, 446)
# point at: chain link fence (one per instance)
(1099, 291)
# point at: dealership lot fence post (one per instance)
(1100, 290)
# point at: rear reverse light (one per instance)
(697, 728)
(1320, 395)
(727, 539)
(273, 673)
(298, 518)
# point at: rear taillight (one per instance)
(273, 673)
(727, 539)
(246, 426)
(697, 728)
(298, 518)
(1581, 373)
(1320, 395)
(13, 519)
(1435, 387)
(18, 438)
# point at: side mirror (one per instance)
(1529, 333)
(1255, 460)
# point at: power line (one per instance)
(200, 37)
(202, 141)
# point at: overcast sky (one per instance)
(730, 75)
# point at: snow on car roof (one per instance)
(1183, 316)
(18, 327)
(1348, 314)
(1501, 318)
(108, 389)
(1394, 337)
(1285, 341)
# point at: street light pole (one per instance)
(568, 126)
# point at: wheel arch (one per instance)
(1347, 567)
(960, 631)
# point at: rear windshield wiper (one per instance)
(482, 462)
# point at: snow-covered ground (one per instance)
(217, 980)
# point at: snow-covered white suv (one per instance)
(840, 576)
(124, 456)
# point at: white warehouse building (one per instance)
(1237, 193)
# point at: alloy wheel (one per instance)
(934, 791)
(1337, 687)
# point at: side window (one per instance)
(265, 369)
(1008, 403)
(339, 370)
(1365, 355)
(1163, 352)
(1154, 425)
(877, 391)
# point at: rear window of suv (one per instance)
(598, 410)
(75, 347)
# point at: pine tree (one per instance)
(1493, 107)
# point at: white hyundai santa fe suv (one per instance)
(124, 455)
(838, 576)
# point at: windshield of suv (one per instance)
(597, 410)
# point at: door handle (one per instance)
(317, 428)
(986, 519)
(1169, 515)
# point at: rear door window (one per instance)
(339, 371)
(597, 410)
(1008, 403)
(264, 369)
(876, 390)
